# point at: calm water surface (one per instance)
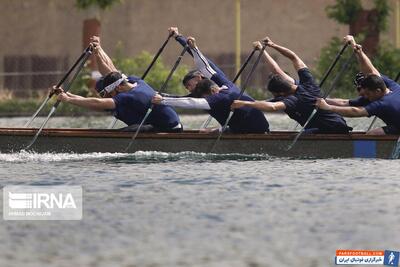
(190, 209)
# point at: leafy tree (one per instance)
(102, 4)
(157, 75)
(348, 11)
(386, 57)
(344, 11)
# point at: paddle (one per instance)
(207, 122)
(163, 87)
(333, 85)
(397, 77)
(374, 120)
(396, 150)
(246, 82)
(114, 121)
(87, 54)
(58, 85)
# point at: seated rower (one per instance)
(296, 100)
(366, 67)
(376, 98)
(194, 76)
(216, 100)
(129, 99)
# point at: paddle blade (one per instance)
(37, 111)
(301, 130)
(53, 109)
(396, 150)
(138, 129)
(112, 124)
(222, 131)
(206, 123)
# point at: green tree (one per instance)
(386, 57)
(344, 11)
(103, 4)
(157, 75)
(348, 11)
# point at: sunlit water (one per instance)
(193, 209)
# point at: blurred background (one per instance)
(41, 39)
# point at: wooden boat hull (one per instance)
(274, 144)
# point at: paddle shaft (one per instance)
(333, 85)
(339, 75)
(85, 55)
(114, 121)
(397, 77)
(246, 62)
(253, 68)
(156, 56)
(338, 56)
(163, 87)
(207, 122)
(245, 84)
(58, 85)
(66, 89)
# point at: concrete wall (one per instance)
(54, 27)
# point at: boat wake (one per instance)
(137, 157)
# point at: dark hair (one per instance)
(358, 79)
(190, 75)
(203, 87)
(100, 85)
(103, 82)
(373, 82)
(112, 77)
(277, 84)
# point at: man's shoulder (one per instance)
(222, 95)
(305, 71)
(122, 96)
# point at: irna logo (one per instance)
(42, 203)
(40, 200)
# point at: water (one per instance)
(191, 209)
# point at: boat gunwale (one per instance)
(191, 134)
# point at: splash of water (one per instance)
(140, 156)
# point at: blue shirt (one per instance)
(362, 101)
(300, 105)
(244, 120)
(131, 107)
(220, 78)
(387, 108)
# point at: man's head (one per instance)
(278, 86)
(108, 86)
(191, 79)
(204, 88)
(373, 87)
(357, 82)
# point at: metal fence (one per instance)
(30, 76)
(27, 75)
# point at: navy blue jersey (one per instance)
(362, 101)
(392, 85)
(131, 107)
(300, 105)
(244, 120)
(387, 108)
(220, 78)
